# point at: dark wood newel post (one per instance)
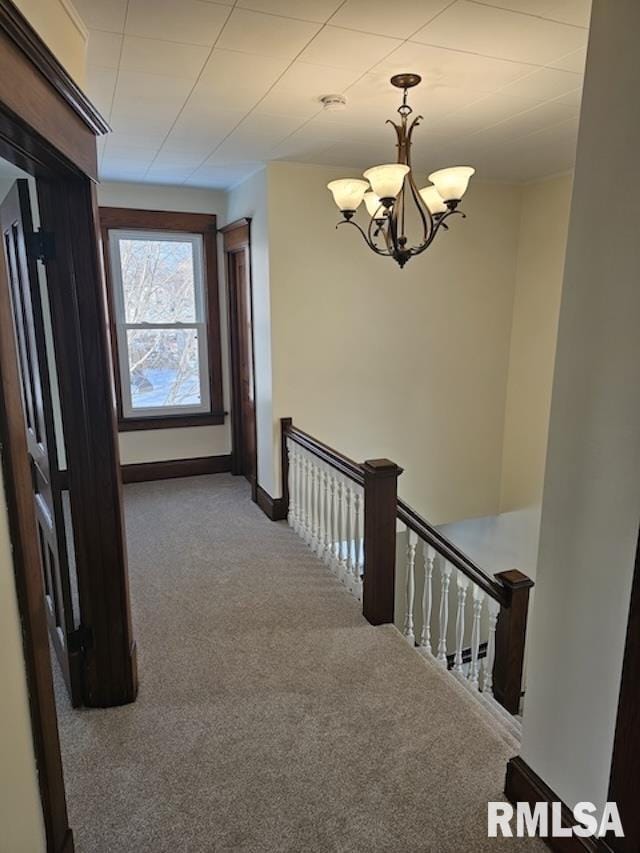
(510, 639)
(285, 423)
(380, 508)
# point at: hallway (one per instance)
(271, 716)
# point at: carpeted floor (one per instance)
(271, 716)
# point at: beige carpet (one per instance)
(271, 716)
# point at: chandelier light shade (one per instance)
(452, 183)
(348, 193)
(374, 206)
(389, 188)
(386, 181)
(434, 201)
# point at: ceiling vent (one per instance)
(332, 103)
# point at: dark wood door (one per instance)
(243, 414)
(245, 366)
(24, 287)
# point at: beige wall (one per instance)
(61, 28)
(20, 812)
(410, 364)
(187, 442)
(250, 199)
(510, 538)
(542, 240)
(591, 499)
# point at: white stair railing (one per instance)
(470, 622)
(326, 509)
(442, 601)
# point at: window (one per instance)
(164, 310)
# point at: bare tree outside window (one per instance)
(161, 320)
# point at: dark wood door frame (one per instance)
(237, 238)
(624, 782)
(48, 128)
(44, 139)
(68, 209)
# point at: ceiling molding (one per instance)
(20, 31)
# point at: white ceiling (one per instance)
(200, 93)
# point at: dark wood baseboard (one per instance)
(274, 508)
(524, 785)
(142, 472)
(67, 844)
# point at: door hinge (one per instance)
(81, 639)
(41, 245)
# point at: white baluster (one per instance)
(334, 525)
(306, 479)
(348, 556)
(299, 490)
(314, 504)
(298, 460)
(298, 487)
(301, 493)
(311, 509)
(328, 519)
(427, 599)
(410, 587)
(487, 665)
(311, 480)
(463, 585)
(358, 500)
(445, 577)
(474, 671)
(340, 561)
(291, 481)
(319, 540)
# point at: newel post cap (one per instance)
(514, 579)
(381, 468)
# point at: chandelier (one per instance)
(388, 188)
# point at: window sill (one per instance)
(171, 421)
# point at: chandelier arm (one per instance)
(415, 123)
(426, 216)
(366, 239)
(382, 227)
(370, 237)
(400, 132)
(392, 232)
(391, 248)
(417, 250)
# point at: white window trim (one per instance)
(200, 324)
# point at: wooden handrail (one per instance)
(452, 554)
(346, 466)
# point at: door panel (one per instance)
(242, 354)
(245, 340)
(16, 222)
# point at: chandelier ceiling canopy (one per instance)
(388, 190)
